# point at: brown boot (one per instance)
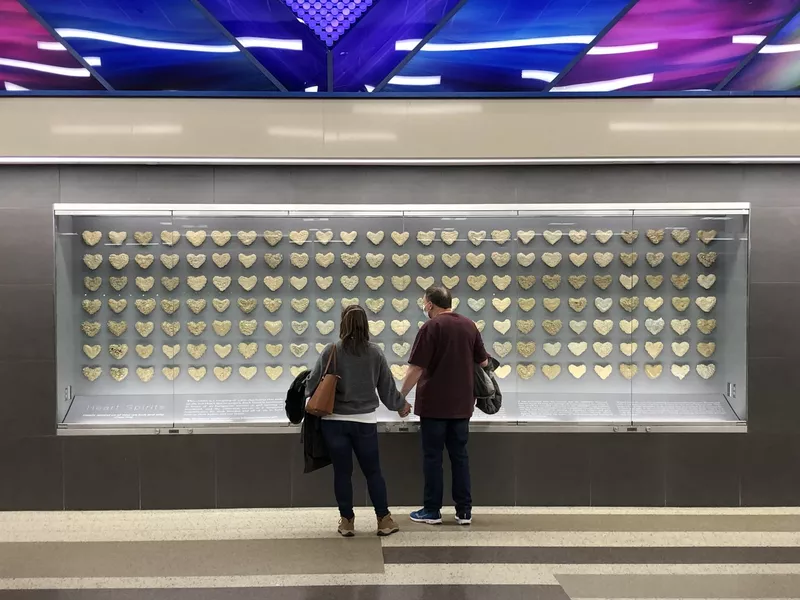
(387, 526)
(347, 527)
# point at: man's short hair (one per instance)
(439, 296)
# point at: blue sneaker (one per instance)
(429, 517)
(464, 518)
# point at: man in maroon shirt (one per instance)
(442, 365)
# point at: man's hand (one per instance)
(405, 411)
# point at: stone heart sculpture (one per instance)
(680, 258)
(144, 260)
(223, 373)
(706, 326)
(145, 283)
(603, 236)
(170, 261)
(578, 236)
(654, 258)
(476, 237)
(325, 304)
(526, 371)
(628, 371)
(222, 260)
(578, 259)
(551, 259)
(426, 237)
(93, 283)
(577, 304)
(274, 349)
(220, 238)
(552, 327)
(400, 327)
(451, 282)
(603, 259)
(349, 302)
(603, 304)
(196, 238)
(706, 281)
(144, 351)
(602, 281)
(630, 236)
(91, 351)
(196, 327)
(578, 326)
(375, 304)
(400, 259)
(526, 349)
(525, 260)
(274, 372)
(629, 281)
(247, 372)
(681, 235)
(299, 304)
(325, 327)
(400, 304)
(91, 306)
(323, 237)
(375, 237)
(246, 260)
(706, 349)
(196, 260)
(117, 328)
(501, 282)
(602, 349)
(502, 327)
(502, 349)
(170, 238)
(425, 282)
(449, 237)
(603, 326)
(679, 371)
(298, 237)
(401, 282)
(247, 305)
(501, 304)
(653, 349)
(551, 371)
(274, 237)
(680, 304)
(170, 351)
(526, 282)
(476, 260)
(118, 351)
(350, 259)
(707, 258)
(552, 237)
(91, 238)
(295, 371)
(603, 371)
(374, 260)
(297, 283)
(628, 258)
(653, 304)
(577, 281)
(629, 304)
(93, 261)
(221, 328)
(222, 283)
(476, 304)
(197, 305)
(706, 236)
(273, 260)
(476, 282)
(117, 238)
(248, 327)
(679, 281)
(680, 326)
(706, 371)
(501, 236)
(171, 373)
(145, 306)
(219, 304)
(425, 260)
(144, 329)
(628, 348)
(706, 303)
(376, 327)
(654, 281)
(577, 348)
(272, 304)
(525, 325)
(451, 260)
(196, 351)
(655, 235)
(118, 373)
(526, 304)
(680, 348)
(373, 283)
(577, 371)
(400, 238)
(653, 371)
(323, 283)
(399, 371)
(273, 283)
(654, 326)
(501, 259)
(629, 327)
(273, 327)
(299, 259)
(525, 236)
(197, 282)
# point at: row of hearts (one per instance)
(222, 328)
(351, 259)
(653, 371)
(500, 236)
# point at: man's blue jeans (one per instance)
(453, 434)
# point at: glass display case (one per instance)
(602, 316)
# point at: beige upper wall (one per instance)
(312, 129)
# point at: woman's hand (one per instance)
(405, 411)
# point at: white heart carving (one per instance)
(577, 348)
(654, 326)
(325, 327)
(553, 237)
(246, 237)
(551, 259)
(323, 237)
(274, 372)
(502, 326)
(578, 236)
(501, 304)
(298, 237)
(578, 259)
(348, 237)
(221, 238)
(401, 282)
(525, 236)
(578, 326)
(603, 259)
(449, 237)
(501, 259)
(628, 348)
(91, 238)
(501, 282)
(426, 237)
(400, 304)
(376, 327)
(425, 260)
(476, 237)
(247, 283)
(450, 282)
(680, 371)
(706, 371)
(350, 259)
(400, 327)
(298, 283)
(706, 303)
(425, 282)
(680, 326)
(706, 281)
(680, 348)
(603, 304)
(246, 260)
(602, 349)
(476, 304)
(603, 371)
(552, 348)
(603, 236)
(525, 260)
(196, 238)
(400, 238)
(551, 371)
(476, 260)
(653, 348)
(375, 237)
(577, 371)
(196, 260)
(502, 349)
(603, 327)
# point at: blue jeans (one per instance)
(343, 438)
(454, 435)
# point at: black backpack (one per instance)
(296, 398)
(488, 397)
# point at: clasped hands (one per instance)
(405, 411)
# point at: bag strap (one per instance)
(331, 356)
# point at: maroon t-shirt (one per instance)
(447, 348)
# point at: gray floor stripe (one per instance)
(444, 592)
(590, 555)
(681, 586)
(187, 559)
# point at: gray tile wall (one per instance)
(40, 471)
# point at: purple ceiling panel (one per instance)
(675, 45)
(329, 19)
(368, 53)
(776, 67)
(31, 59)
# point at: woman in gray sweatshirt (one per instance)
(364, 377)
